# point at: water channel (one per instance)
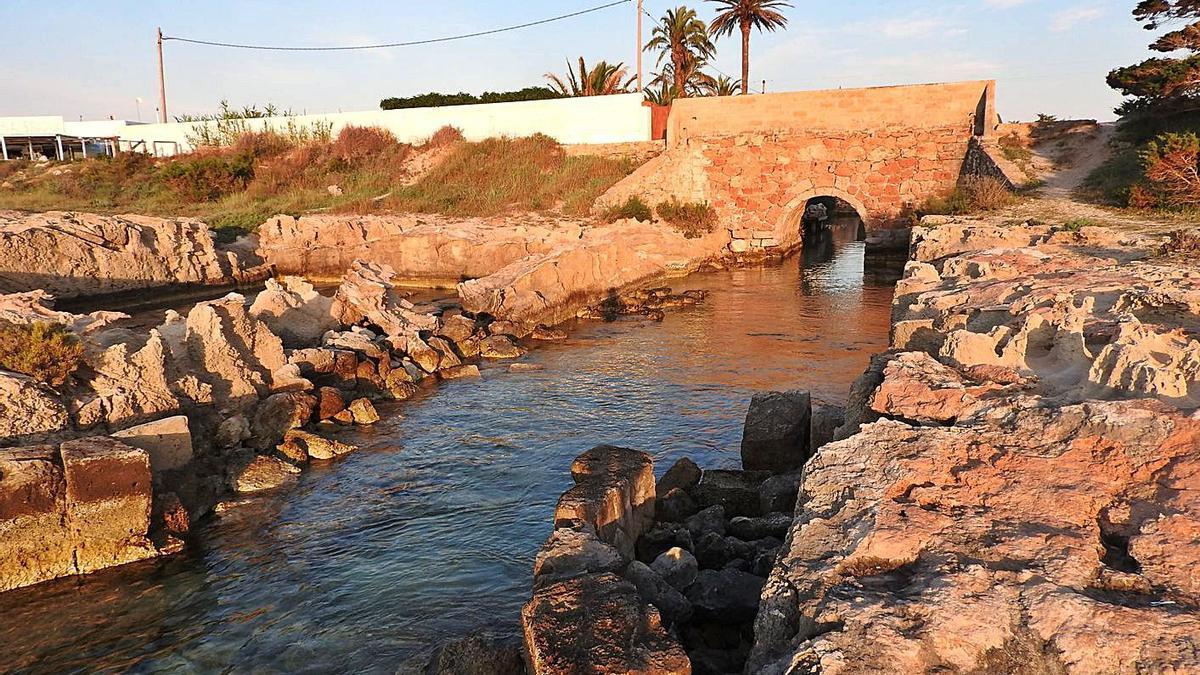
(429, 532)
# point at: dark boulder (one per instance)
(776, 434)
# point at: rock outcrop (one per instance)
(1016, 489)
(553, 287)
(77, 254)
(434, 249)
(71, 509)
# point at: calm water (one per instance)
(429, 532)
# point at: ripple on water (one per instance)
(429, 532)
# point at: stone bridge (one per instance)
(758, 160)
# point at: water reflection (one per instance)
(430, 531)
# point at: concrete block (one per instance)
(168, 441)
(35, 543)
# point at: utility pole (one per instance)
(640, 12)
(162, 82)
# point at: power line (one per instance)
(398, 44)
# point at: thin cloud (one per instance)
(1069, 18)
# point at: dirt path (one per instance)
(1063, 162)
(1071, 158)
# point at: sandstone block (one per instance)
(108, 496)
(614, 493)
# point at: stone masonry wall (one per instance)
(966, 104)
(759, 183)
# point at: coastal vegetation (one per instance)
(970, 195)
(1157, 164)
(693, 219)
(437, 100)
(46, 352)
(236, 186)
(602, 79)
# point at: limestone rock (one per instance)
(736, 491)
(683, 474)
(75, 254)
(776, 433)
(572, 552)
(277, 415)
(677, 567)
(294, 311)
(28, 410)
(500, 347)
(329, 403)
(673, 606)
(363, 412)
(422, 246)
(614, 493)
(1056, 501)
(262, 473)
(297, 443)
(368, 294)
(597, 623)
(726, 595)
(460, 372)
(130, 376)
(108, 499)
(477, 655)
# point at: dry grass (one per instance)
(502, 175)
(694, 220)
(972, 195)
(236, 188)
(870, 566)
(47, 352)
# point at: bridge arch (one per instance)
(789, 230)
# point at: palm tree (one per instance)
(723, 86)
(695, 81)
(681, 35)
(744, 15)
(604, 79)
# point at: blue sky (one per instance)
(94, 58)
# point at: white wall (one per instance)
(594, 119)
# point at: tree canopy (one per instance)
(1165, 85)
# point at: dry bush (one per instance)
(259, 144)
(1172, 168)
(357, 144)
(207, 177)
(1183, 242)
(447, 135)
(694, 220)
(12, 166)
(47, 352)
(987, 194)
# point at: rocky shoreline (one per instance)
(234, 398)
(1013, 487)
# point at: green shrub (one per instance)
(207, 178)
(436, 100)
(47, 352)
(1111, 182)
(693, 219)
(633, 209)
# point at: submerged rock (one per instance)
(261, 473)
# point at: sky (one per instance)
(94, 59)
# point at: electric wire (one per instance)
(389, 45)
